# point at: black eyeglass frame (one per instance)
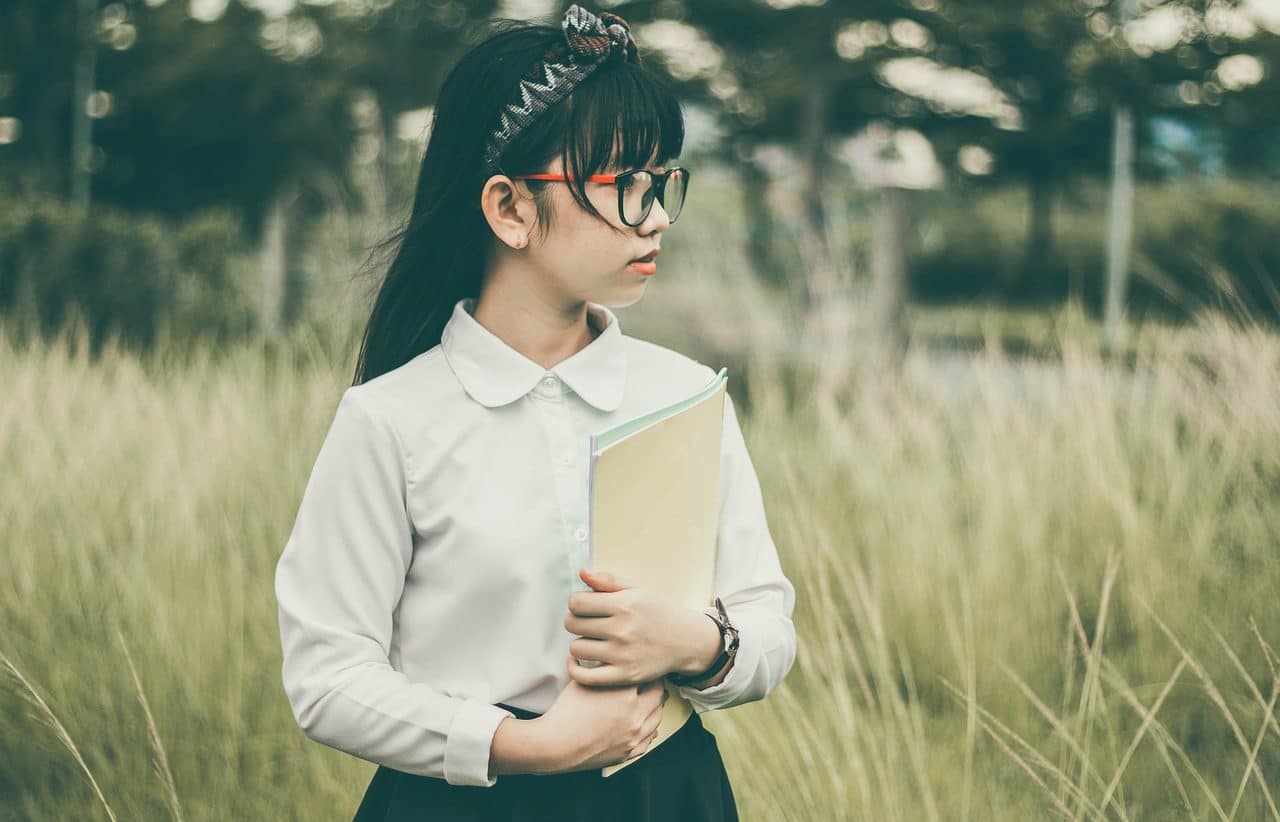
(621, 181)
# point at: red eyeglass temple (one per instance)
(560, 178)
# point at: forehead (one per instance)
(651, 163)
(613, 166)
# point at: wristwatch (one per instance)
(728, 647)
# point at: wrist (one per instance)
(524, 746)
(706, 648)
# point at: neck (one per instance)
(544, 328)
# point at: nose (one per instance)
(658, 218)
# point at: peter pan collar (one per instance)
(495, 374)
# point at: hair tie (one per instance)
(588, 42)
(595, 37)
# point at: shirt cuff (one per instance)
(469, 743)
(736, 682)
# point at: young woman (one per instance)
(433, 595)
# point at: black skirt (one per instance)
(681, 779)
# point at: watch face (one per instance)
(728, 632)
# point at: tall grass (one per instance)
(1026, 589)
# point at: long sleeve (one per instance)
(337, 583)
(749, 580)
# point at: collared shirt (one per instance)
(440, 534)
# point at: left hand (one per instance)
(637, 633)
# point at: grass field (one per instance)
(1026, 588)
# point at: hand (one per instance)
(636, 633)
(593, 727)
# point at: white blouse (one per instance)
(428, 572)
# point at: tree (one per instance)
(781, 79)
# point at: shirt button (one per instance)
(549, 382)
(566, 458)
(580, 534)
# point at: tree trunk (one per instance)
(379, 196)
(815, 256)
(82, 87)
(1039, 230)
(1119, 224)
(887, 302)
(761, 236)
(274, 258)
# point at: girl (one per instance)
(433, 595)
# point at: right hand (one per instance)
(595, 726)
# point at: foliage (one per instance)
(131, 275)
(1196, 244)
(1022, 586)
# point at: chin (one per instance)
(622, 300)
(622, 297)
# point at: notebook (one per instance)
(655, 506)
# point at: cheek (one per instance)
(606, 202)
(603, 198)
(581, 243)
(592, 238)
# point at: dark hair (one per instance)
(620, 116)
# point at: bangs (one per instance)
(624, 117)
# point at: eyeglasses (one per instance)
(637, 189)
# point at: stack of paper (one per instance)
(655, 505)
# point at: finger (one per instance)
(650, 729)
(587, 648)
(589, 627)
(604, 580)
(589, 604)
(590, 676)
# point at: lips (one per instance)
(648, 257)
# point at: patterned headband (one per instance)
(588, 42)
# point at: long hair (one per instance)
(622, 115)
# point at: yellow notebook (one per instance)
(655, 506)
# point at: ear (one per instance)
(509, 209)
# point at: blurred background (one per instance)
(219, 166)
(996, 284)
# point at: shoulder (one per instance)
(653, 364)
(660, 375)
(407, 392)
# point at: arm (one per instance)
(519, 748)
(705, 636)
(749, 580)
(338, 583)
